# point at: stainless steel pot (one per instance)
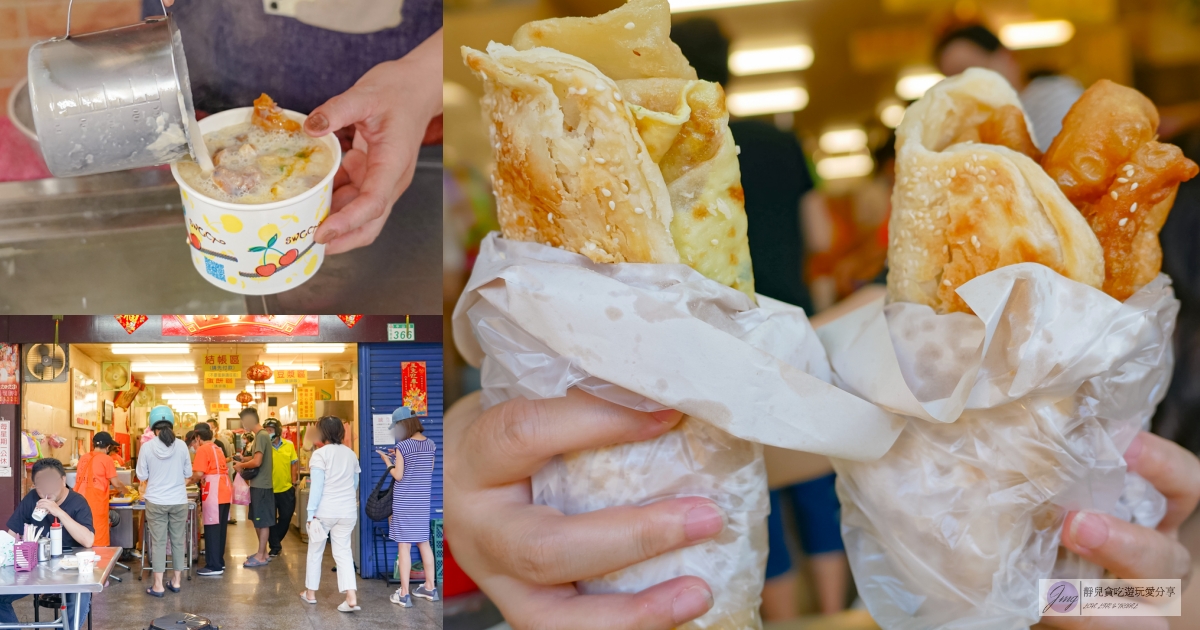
(112, 100)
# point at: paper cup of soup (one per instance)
(241, 238)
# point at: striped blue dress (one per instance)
(410, 495)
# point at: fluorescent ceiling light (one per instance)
(844, 166)
(279, 389)
(150, 348)
(683, 6)
(892, 115)
(305, 348)
(1043, 34)
(177, 379)
(846, 140)
(767, 101)
(307, 367)
(913, 86)
(145, 366)
(747, 61)
(182, 396)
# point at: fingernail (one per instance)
(1134, 450)
(1089, 530)
(703, 522)
(328, 237)
(690, 603)
(317, 122)
(666, 415)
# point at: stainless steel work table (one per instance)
(48, 578)
(117, 242)
(191, 533)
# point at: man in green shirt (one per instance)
(262, 486)
(286, 474)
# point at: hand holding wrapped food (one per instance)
(609, 151)
(1023, 379)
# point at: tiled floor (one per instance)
(257, 599)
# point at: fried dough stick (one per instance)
(1108, 162)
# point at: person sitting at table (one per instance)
(95, 474)
(71, 509)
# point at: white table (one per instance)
(48, 578)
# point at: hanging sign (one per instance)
(223, 363)
(240, 325)
(220, 380)
(306, 403)
(218, 407)
(6, 448)
(414, 389)
(291, 377)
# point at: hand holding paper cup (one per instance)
(252, 222)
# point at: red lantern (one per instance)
(259, 373)
(245, 398)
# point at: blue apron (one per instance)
(235, 51)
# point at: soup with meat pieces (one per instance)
(265, 160)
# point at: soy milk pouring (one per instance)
(114, 100)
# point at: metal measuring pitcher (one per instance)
(112, 100)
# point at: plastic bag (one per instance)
(241, 491)
(542, 320)
(1015, 417)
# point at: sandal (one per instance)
(307, 600)
(150, 591)
(173, 588)
(344, 607)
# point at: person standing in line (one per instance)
(332, 511)
(411, 465)
(262, 492)
(95, 474)
(286, 475)
(209, 469)
(165, 469)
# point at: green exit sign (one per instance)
(402, 332)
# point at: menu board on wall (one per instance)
(10, 374)
(306, 402)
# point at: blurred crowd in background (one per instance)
(818, 171)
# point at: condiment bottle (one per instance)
(56, 539)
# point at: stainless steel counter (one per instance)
(116, 243)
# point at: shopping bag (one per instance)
(241, 491)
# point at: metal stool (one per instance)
(55, 602)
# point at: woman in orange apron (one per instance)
(94, 475)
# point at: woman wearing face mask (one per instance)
(216, 494)
(165, 467)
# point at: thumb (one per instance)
(343, 110)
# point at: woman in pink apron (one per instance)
(215, 491)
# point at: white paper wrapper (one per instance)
(541, 320)
(1015, 417)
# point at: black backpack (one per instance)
(379, 502)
